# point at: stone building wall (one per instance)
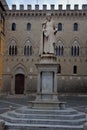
(2, 41)
(25, 65)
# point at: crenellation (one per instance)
(84, 7)
(44, 7)
(21, 7)
(60, 7)
(29, 7)
(52, 7)
(68, 7)
(36, 7)
(13, 7)
(76, 7)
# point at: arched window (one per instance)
(75, 27)
(60, 27)
(74, 69)
(28, 26)
(30, 50)
(62, 50)
(27, 48)
(59, 69)
(13, 26)
(59, 50)
(75, 48)
(15, 50)
(12, 48)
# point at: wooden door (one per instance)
(19, 84)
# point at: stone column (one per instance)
(12, 84)
(38, 83)
(55, 82)
(55, 87)
(25, 85)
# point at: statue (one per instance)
(49, 31)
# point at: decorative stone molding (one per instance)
(37, 12)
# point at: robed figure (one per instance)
(49, 31)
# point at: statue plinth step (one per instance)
(48, 104)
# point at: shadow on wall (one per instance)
(79, 86)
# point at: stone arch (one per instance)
(26, 39)
(75, 43)
(77, 40)
(18, 81)
(13, 26)
(59, 47)
(12, 47)
(20, 68)
(60, 39)
(28, 26)
(75, 26)
(59, 26)
(75, 47)
(27, 47)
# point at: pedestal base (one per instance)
(47, 96)
(47, 105)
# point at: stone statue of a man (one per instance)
(48, 36)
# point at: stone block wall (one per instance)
(67, 81)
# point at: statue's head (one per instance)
(48, 17)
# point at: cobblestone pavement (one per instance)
(14, 102)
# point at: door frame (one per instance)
(18, 70)
(23, 76)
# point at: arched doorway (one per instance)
(19, 83)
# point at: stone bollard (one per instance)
(2, 125)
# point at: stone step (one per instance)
(47, 116)
(25, 118)
(42, 121)
(26, 110)
(10, 126)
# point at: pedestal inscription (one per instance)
(47, 82)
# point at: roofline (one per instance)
(2, 6)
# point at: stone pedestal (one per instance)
(47, 95)
(47, 81)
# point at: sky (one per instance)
(48, 2)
